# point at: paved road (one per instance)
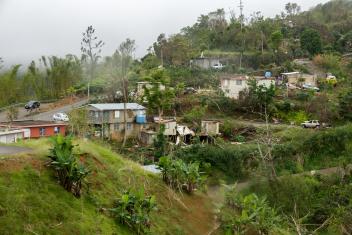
(10, 150)
(45, 116)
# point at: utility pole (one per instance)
(242, 24)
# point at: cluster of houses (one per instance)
(233, 85)
(108, 120)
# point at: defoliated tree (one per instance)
(91, 48)
(126, 50)
(311, 41)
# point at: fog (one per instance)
(32, 28)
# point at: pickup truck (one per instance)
(311, 124)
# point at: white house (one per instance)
(234, 84)
(11, 136)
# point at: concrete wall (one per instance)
(210, 128)
(205, 63)
(10, 138)
(232, 87)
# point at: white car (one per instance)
(218, 66)
(60, 117)
(311, 124)
(310, 87)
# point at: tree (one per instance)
(126, 50)
(159, 99)
(276, 40)
(345, 109)
(91, 48)
(79, 122)
(11, 114)
(311, 41)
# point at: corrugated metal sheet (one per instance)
(118, 106)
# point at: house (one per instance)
(205, 63)
(232, 85)
(210, 128)
(147, 137)
(37, 128)
(142, 85)
(298, 78)
(170, 125)
(108, 119)
(8, 136)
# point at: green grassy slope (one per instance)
(32, 202)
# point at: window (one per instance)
(129, 126)
(117, 114)
(42, 131)
(117, 126)
(96, 114)
(57, 130)
(239, 82)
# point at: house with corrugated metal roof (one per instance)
(108, 119)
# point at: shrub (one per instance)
(229, 159)
(69, 172)
(181, 175)
(242, 214)
(133, 209)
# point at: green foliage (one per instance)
(242, 214)
(157, 98)
(195, 115)
(311, 41)
(70, 173)
(345, 104)
(181, 175)
(79, 123)
(160, 143)
(133, 210)
(233, 161)
(276, 39)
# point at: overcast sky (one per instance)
(31, 28)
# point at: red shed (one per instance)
(37, 129)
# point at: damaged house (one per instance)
(108, 119)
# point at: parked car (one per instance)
(32, 105)
(218, 66)
(310, 87)
(60, 117)
(311, 124)
(190, 90)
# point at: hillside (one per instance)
(32, 202)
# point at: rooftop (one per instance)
(234, 77)
(118, 106)
(30, 123)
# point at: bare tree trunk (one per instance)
(125, 99)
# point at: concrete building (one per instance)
(210, 128)
(297, 78)
(38, 129)
(108, 119)
(233, 85)
(11, 136)
(205, 63)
